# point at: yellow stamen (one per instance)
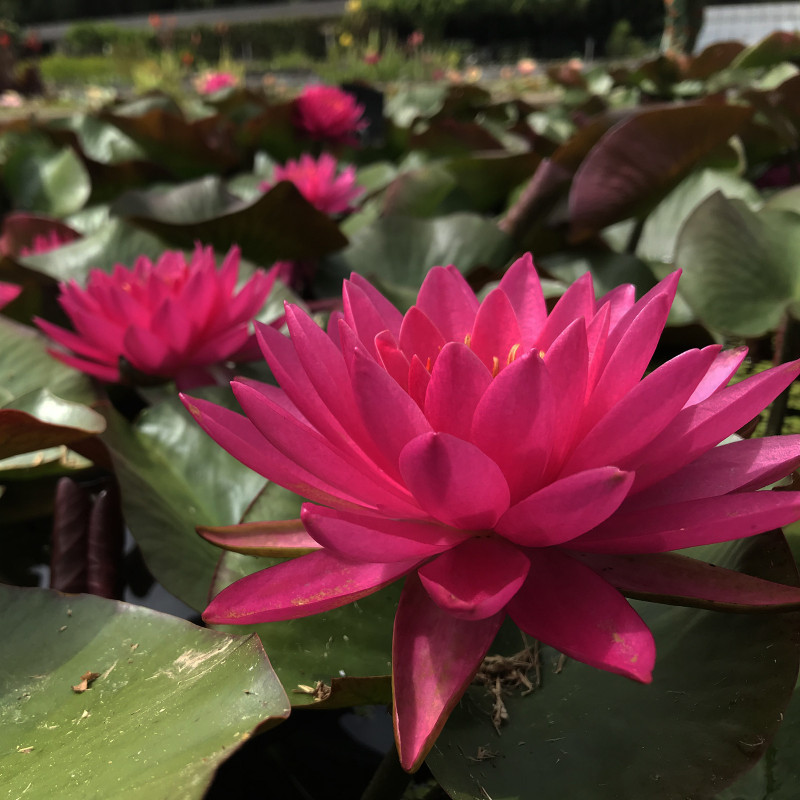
(495, 366)
(468, 340)
(512, 353)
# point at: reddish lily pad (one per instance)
(639, 160)
(41, 420)
(186, 149)
(117, 700)
(720, 686)
(20, 230)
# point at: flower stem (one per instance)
(389, 781)
(788, 349)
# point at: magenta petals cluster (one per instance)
(506, 462)
(211, 82)
(320, 182)
(172, 319)
(8, 292)
(329, 114)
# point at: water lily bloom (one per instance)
(506, 462)
(329, 114)
(8, 292)
(318, 182)
(44, 243)
(172, 319)
(211, 82)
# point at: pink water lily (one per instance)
(210, 82)
(317, 180)
(329, 114)
(8, 292)
(506, 462)
(172, 319)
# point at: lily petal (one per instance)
(458, 382)
(454, 481)
(369, 537)
(434, 658)
(566, 508)
(476, 579)
(570, 607)
(284, 538)
(691, 524)
(514, 423)
(300, 587)
(679, 580)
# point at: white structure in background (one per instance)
(747, 23)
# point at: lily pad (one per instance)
(116, 242)
(740, 268)
(640, 160)
(662, 226)
(280, 224)
(25, 366)
(397, 252)
(720, 686)
(41, 420)
(187, 149)
(103, 699)
(173, 477)
(55, 183)
(349, 649)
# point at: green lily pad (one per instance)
(721, 683)
(482, 184)
(397, 252)
(173, 477)
(280, 224)
(25, 366)
(54, 183)
(608, 270)
(349, 649)
(778, 46)
(662, 226)
(167, 704)
(740, 268)
(116, 242)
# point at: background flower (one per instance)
(318, 182)
(329, 114)
(508, 462)
(8, 292)
(171, 319)
(211, 82)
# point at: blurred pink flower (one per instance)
(507, 462)
(44, 243)
(372, 57)
(415, 39)
(329, 114)
(318, 182)
(212, 82)
(8, 292)
(169, 319)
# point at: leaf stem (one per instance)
(389, 781)
(788, 348)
